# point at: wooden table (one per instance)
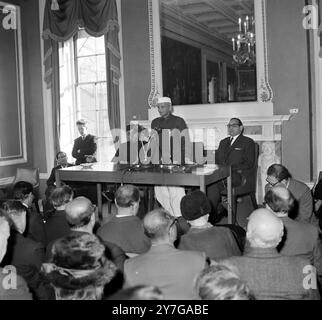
(187, 176)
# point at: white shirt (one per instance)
(234, 139)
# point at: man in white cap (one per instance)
(170, 197)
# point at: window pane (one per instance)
(87, 69)
(91, 118)
(86, 97)
(85, 46)
(101, 90)
(101, 68)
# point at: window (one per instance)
(83, 92)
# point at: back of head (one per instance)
(264, 229)
(219, 282)
(279, 200)
(79, 212)
(61, 196)
(21, 190)
(195, 205)
(78, 268)
(126, 196)
(279, 172)
(157, 224)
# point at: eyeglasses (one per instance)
(234, 125)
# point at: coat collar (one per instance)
(260, 252)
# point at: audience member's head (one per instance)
(235, 127)
(61, 196)
(138, 293)
(219, 282)
(80, 214)
(277, 175)
(264, 229)
(61, 158)
(23, 191)
(195, 207)
(279, 200)
(4, 234)
(16, 214)
(82, 127)
(164, 105)
(160, 226)
(127, 200)
(79, 269)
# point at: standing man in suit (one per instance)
(173, 271)
(237, 151)
(84, 146)
(170, 197)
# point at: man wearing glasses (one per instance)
(237, 151)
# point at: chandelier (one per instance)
(244, 50)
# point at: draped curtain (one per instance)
(62, 20)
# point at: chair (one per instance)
(30, 175)
(247, 187)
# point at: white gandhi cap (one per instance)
(164, 100)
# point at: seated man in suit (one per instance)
(268, 274)
(126, 229)
(173, 271)
(237, 151)
(56, 225)
(216, 242)
(278, 175)
(85, 146)
(300, 239)
(35, 230)
(10, 291)
(80, 215)
(62, 162)
(24, 253)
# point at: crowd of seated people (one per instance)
(60, 255)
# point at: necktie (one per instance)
(231, 140)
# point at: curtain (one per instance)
(62, 20)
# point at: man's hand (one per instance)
(89, 158)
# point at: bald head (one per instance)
(157, 224)
(279, 200)
(264, 229)
(79, 212)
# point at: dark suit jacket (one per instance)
(127, 233)
(171, 270)
(52, 179)
(173, 122)
(87, 147)
(271, 276)
(35, 228)
(216, 242)
(56, 226)
(302, 239)
(27, 256)
(240, 155)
